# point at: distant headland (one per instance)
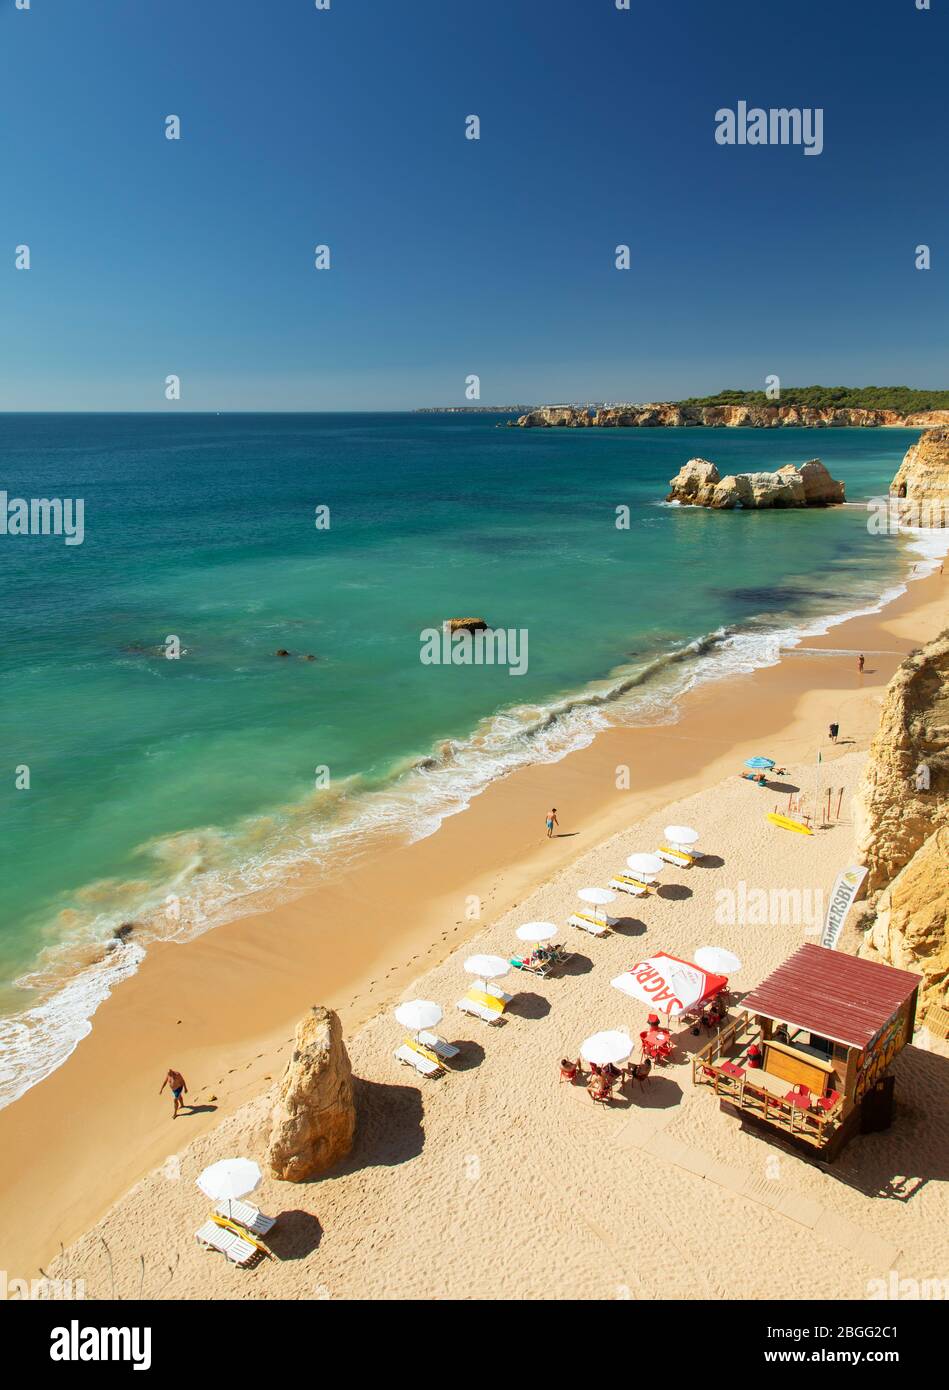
(814, 407)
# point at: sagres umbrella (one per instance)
(681, 836)
(418, 1014)
(611, 1046)
(764, 763)
(597, 897)
(717, 959)
(486, 968)
(647, 866)
(533, 932)
(229, 1179)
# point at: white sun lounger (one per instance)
(439, 1046)
(229, 1243)
(596, 926)
(675, 856)
(411, 1058)
(246, 1214)
(626, 884)
(479, 1010)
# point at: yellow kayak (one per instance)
(786, 823)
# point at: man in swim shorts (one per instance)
(176, 1082)
(551, 822)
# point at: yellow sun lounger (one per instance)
(596, 926)
(487, 1007)
(627, 883)
(679, 857)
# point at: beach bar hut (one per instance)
(808, 1059)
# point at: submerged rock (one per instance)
(314, 1117)
(466, 624)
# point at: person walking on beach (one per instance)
(834, 731)
(860, 662)
(551, 822)
(176, 1082)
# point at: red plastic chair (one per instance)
(828, 1102)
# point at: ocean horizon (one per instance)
(178, 765)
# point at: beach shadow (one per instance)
(896, 1164)
(529, 1006)
(659, 1093)
(388, 1127)
(629, 926)
(709, 861)
(296, 1235)
(472, 1054)
(577, 965)
(196, 1110)
(784, 787)
(675, 892)
(565, 834)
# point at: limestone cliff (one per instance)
(923, 481)
(903, 796)
(697, 484)
(659, 414)
(314, 1118)
(911, 928)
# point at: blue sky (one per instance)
(450, 256)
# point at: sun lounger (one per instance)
(679, 857)
(535, 967)
(626, 883)
(596, 926)
(495, 992)
(229, 1243)
(441, 1048)
(247, 1215)
(422, 1064)
(483, 1006)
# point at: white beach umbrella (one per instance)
(598, 897)
(611, 1046)
(717, 959)
(646, 865)
(418, 1014)
(487, 968)
(681, 836)
(228, 1179)
(537, 931)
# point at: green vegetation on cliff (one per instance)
(905, 399)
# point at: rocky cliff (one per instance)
(698, 484)
(901, 819)
(892, 815)
(923, 481)
(659, 414)
(314, 1118)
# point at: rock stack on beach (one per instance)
(901, 820)
(314, 1118)
(699, 484)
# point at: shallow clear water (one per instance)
(197, 776)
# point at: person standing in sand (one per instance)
(178, 1086)
(860, 662)
(551, 822)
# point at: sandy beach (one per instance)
(464, 1187)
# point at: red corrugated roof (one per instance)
(834, 995)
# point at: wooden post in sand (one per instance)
(839, 800)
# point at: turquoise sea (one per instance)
(161, 791)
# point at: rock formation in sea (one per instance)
(922, 479)
(658, 414)
(698, 484)
(466, 624)
(901, 822)
(314, 1117)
